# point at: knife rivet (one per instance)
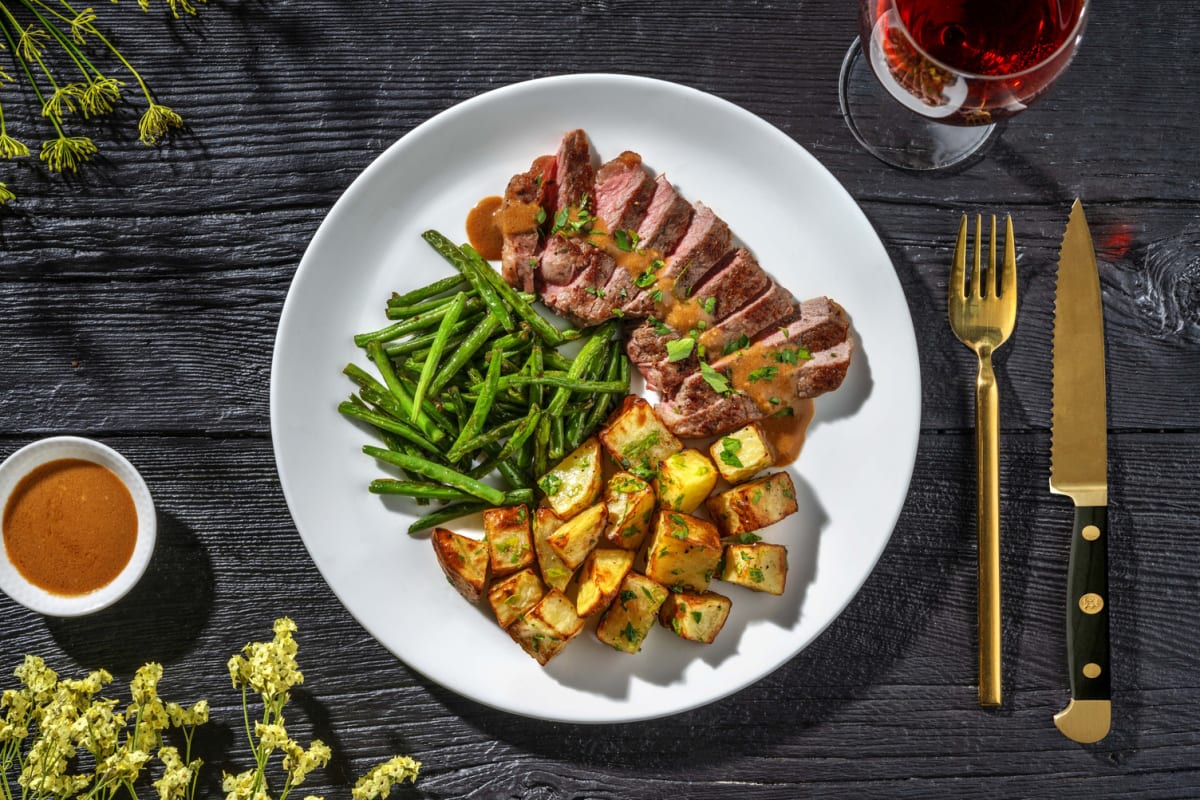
(1091, 603)
(1091, 670)
(1091, 533)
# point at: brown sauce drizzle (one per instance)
(70, 526)
(483, 227)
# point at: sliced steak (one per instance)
(733, 284)
(706, 242)
(771, 308)
(825, 371)
(819, 325)
(647, 349)
(525, 195)
(576, 178)
(697, 411)
(580, 301)
(667, 218)
(561, 262)
(623, 192)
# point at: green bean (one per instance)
(450, 512)
(438, 472)
(429, 491)
(479, 283)
(435, 352)
(541, 448)
(558, 439)
(432, 290)
(617, 364)
(524, 429)
(417, 323)
(406, 432)
(483, 405)
(591, 348)
(464, 352)
(562, 381)
(487, 437)
(417, 343)
(545, 331)
(537, 365)
(384, 364)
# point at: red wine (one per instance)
(990, 37)
(970, 62)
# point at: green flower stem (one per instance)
(67, 42)
(92, 29)
(25, 64)
(63, 40)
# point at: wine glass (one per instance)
(930, 81)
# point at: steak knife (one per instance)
(1078, 469)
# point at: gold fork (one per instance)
(983, 308)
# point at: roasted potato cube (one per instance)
(578, 536)
(761, 567)
(697, 617)
(753, 505)
(576, 482)
(464, 560)
(632, 613)
(683, 552)
(509, 538)
(685, 480)
(516, 594)
(555, 573)
(743, 454)
(600, 578)
(637, 439)
(630, 503)
(544, 630)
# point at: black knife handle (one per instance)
(1087, 605)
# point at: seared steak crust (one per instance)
(623, 192)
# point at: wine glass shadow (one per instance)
(160, 618)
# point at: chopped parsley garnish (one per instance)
(645, 280)
(639, 448)
(709, 305)
(679, 349)
(630, 633)
(748, 538)
(716, 380)
(656, 295)
(792, 355)
(729, 449)
(659, 328)
(785, 412)
(697, 616)
(626, 240)
(550, 484)
(594, 292)
(741, 343)
(763, 374)
(540, 217)
(756, 574)
(626, 596)
(618, 313)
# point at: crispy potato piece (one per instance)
(696, 617)
(510, 539)
(637, 439)
(630, 503)
(627, 620)
(743, 454)
(464, 560)
(683, 552)
(516, 594)
(576, 482)
(544, 630)
(761, 567)
(578, 536)
(600, 579)
(554, 572)
(684, 480)
(754, 505)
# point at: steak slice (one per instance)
(773, 307)
(580, 301)
(576, 177)
(647, 349)
(562, 261)
(732, 285)
(526, 194)
(697, 410)
(667, 218)
(706, 242)
(825, 371)
(623, 192)
(819, 325)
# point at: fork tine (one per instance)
(976, 281)
(958, 270)
(993, 278)
(1008, 276)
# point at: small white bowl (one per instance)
(34, 455)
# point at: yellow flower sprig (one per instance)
(49, 721)
(30, 29)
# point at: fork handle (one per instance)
(987, 486)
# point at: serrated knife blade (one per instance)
(1078, 469)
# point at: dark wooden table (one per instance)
(139, 302)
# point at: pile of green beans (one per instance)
(472, 382)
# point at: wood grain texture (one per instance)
(138, 304)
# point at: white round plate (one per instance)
(851, 478)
